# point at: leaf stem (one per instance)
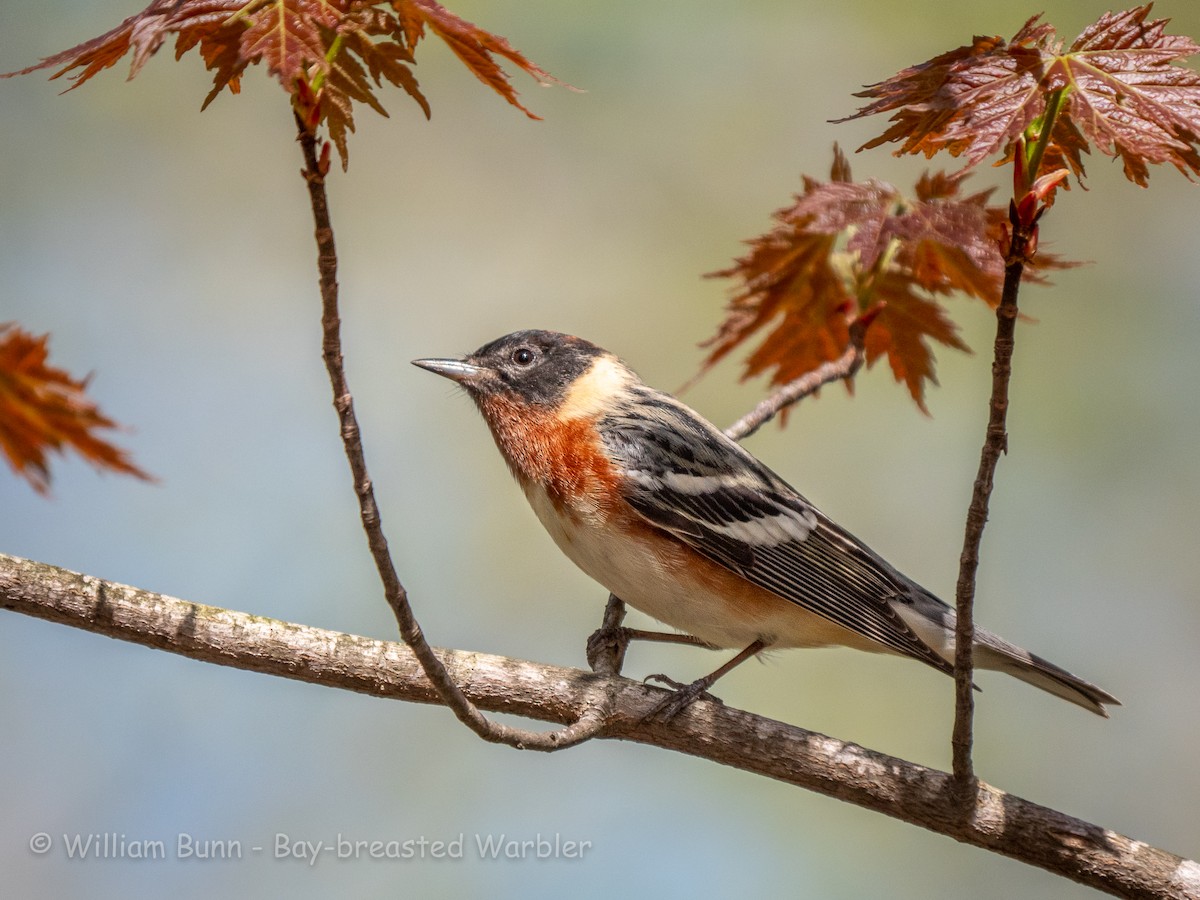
(335, 47)
(244, 12)
(1033, 161)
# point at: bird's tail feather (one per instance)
(993, 652)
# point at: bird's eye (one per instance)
(523, 356)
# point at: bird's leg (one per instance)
(685, 695)
(607, 644)
(666, 637)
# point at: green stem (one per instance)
(1033, 161)
(335, 47)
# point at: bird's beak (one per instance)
(455, 369)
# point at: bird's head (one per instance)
(541, 393)
(536, 370)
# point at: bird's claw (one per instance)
(682, 696)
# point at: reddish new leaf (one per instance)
(966, 101)
(945, 243)
(1124, 94)
(347, 80)
(289, 37)
(327, 54)
(788, 282)
(142, 34)
(1127, 96)
(842, 247)
(475, 47)
(44, 410)
(903, 330)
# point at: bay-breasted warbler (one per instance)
(681, 522)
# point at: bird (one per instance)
(681, 522)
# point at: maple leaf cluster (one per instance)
(44, 410)
(334, 51)
(1117, 87)
(842, 248)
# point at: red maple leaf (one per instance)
(44, 410)
(1117, 88)
(475, 47)
(839, 249)
(334, 51)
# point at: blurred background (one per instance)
(171, 254)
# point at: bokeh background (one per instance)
(170, 253)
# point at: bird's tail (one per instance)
(933, 622)
(993, 652)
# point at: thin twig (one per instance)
(844, 367)
(998, 822)
(592, 722)
(995, 443)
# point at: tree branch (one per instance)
(995, 820)
(591, 720)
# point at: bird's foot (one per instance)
(683, 696)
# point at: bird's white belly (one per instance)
(636, 574)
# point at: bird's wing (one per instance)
(685, 477)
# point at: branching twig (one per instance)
(591, 722)
(995, 821)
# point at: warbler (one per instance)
(661, 508)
